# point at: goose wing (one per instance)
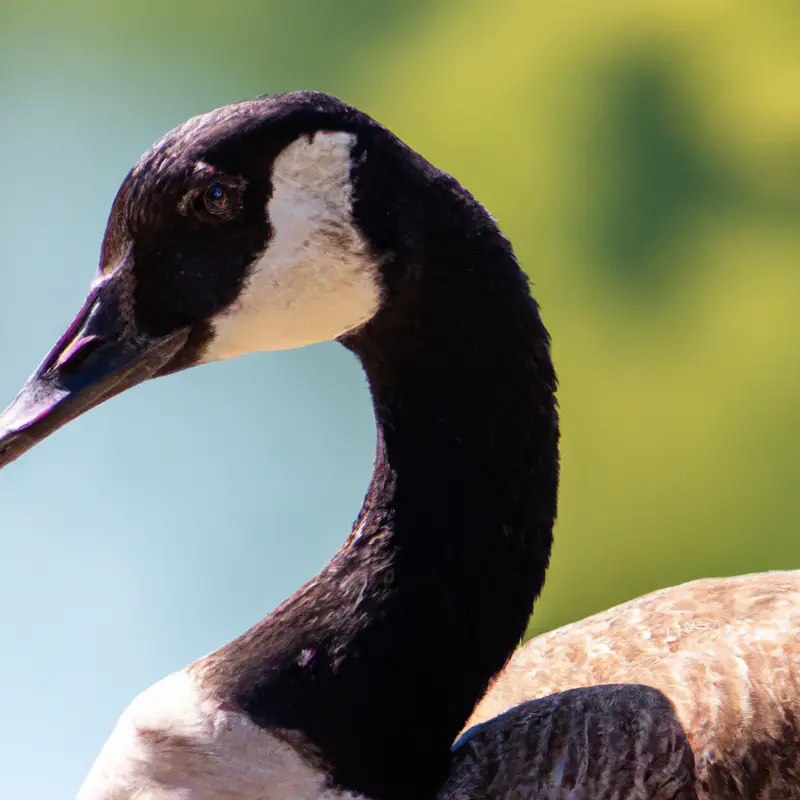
(613, 741)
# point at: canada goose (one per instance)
(726, 652)
(276, 223)
(289, 220)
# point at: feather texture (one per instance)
(622, 742)
(726, 652)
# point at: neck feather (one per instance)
(380, 659)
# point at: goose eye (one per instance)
(219, 201)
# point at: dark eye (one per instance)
(219, 201)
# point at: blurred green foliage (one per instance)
(644, 158)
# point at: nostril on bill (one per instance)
(79, 355)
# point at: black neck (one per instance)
(380, 660)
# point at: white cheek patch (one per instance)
(316, 279)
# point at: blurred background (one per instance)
(643, 158)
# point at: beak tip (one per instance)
(50, 398)
(16, 422)
(12, 445)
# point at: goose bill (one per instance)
(100, 355)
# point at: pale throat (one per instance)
(174, 741)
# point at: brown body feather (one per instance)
(726, 652)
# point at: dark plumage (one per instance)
(464, 407)
(377, 663)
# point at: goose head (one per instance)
(238, 231)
